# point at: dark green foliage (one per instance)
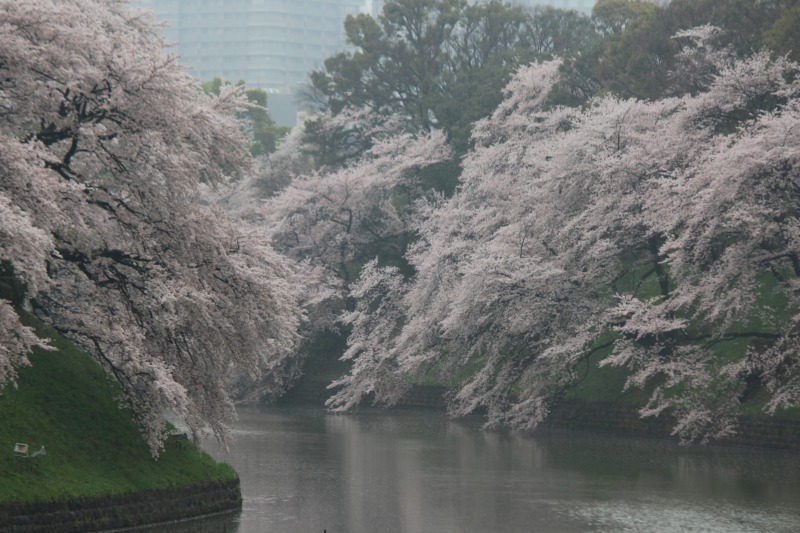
(11, 288)
(262, 131)
(443, 63)
(784, 35)
(331, 148)
(616, 16)
(638, 50)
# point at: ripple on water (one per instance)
(682, 517)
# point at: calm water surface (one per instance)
(307, 471)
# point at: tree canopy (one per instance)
(634, 198)
(637, 52)
(630, 202)
(108, 150)
(442, 63)
(664, 229)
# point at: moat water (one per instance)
(304, 470)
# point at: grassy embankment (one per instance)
(607, 384)
(66, 403)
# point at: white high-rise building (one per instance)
(584, 6)
(271, 44)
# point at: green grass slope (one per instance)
(65, 402)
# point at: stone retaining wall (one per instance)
(122, 511)
(312, 392)
(610, 418)
(766, 432)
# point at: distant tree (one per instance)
(263, 132)
(782, 36)
(496, 40)
(635, 58)
(398, 60)
(441, 63)
(614, 16)
(560, 32)
(632, 59)
(107, 149)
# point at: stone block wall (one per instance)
(780, 433)
(122, 511)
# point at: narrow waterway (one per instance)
(304, 470)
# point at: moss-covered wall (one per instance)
(122, 511)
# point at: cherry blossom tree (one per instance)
(455, 310)
(505, 279)
(108, 152)
(322, 144)
(336, 194)
(663, 230)
(22, 245)
(728, 216)
(338, 218)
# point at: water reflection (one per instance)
(305, 471)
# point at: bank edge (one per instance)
(97, 473)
